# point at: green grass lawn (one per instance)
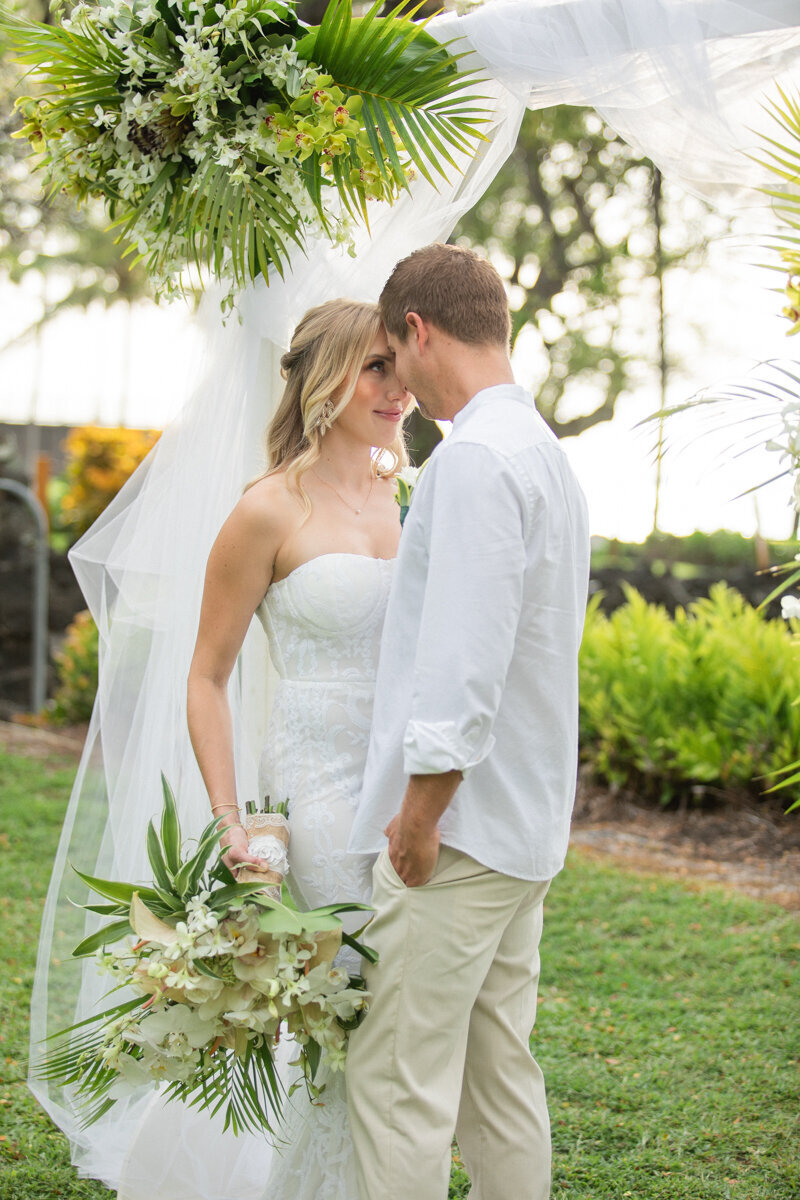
(668, 1029)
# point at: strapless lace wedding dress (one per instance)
(324, 624)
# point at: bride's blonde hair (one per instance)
(321, 369)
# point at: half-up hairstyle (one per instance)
(321, 369)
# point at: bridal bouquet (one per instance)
(220, 970)
(222, 132)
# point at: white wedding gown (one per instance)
(323, 623)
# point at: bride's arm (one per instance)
(239, 572)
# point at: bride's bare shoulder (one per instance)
(268, 507)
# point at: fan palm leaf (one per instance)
(415, 111)
(406, 80)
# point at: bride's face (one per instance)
(379, 402)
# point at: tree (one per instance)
(574, 226)
(71, 248)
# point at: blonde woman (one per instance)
(310, 547)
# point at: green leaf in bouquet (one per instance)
(246, 1086)
(190, 873)
(340, 907)
(170, 828)
(103, 910)
(65, 1061)
(283, 920)
(121, 892)
(360, 948)
(201, 966)
(158, 865)
(225, 897)
(313, 1054)
(102, 937)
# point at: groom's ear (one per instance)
(417, 329)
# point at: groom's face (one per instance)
(410, 371)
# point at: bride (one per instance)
(310, 548)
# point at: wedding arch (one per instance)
(682, 81)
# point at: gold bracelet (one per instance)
(214, 807)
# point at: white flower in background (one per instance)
(790, 607)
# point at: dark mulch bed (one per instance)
(751, 846)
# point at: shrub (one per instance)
(702, 703)
(100, 461)
(723, 548)
(76, 665)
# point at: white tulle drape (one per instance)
(682, 81)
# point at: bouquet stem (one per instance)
(268, 837)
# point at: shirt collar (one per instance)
(509, 391)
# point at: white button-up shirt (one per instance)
(478, 668)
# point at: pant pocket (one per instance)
(385, 863)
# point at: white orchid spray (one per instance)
(224, 133)
(220, 971)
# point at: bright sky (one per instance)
(119, 368)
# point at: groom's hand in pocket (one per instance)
(414, 834)
(412, 853)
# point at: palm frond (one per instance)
(404, 76)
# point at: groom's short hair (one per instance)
(453, 288)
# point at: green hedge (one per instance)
(723, 548)
(702, 703)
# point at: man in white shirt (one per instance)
(472, 761)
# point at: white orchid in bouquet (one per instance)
(223, 133)
(219, 972)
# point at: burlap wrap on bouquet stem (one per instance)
(265, 825)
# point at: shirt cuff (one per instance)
(432, 748)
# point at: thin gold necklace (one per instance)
(347, 504)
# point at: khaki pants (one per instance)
(444, 1047)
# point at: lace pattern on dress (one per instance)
(324, 624)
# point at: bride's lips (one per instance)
(390, 414)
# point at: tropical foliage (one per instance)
(702, 705)
(223, 134)
(76, 668)
(782, 157)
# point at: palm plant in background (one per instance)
(765, 405)
(782, 158)
(225, 134)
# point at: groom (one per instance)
(472, 762)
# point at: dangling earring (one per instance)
(325, 418)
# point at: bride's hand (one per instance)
(236, 852)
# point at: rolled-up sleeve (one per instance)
(477, 517)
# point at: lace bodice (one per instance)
(324, 620)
